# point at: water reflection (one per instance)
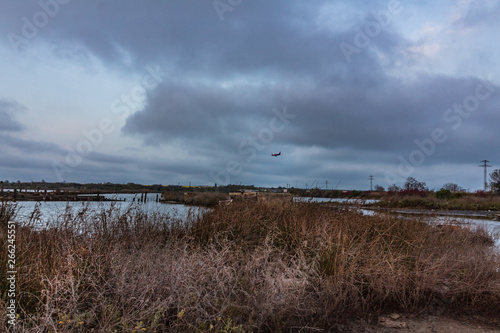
(50, 212)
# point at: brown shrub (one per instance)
(264, 266)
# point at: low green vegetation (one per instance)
(249, 267)
(447, 194)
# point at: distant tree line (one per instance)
(411, 187)
(495, 180)
(114, 187)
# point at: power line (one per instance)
(371, 182)
(485, 165)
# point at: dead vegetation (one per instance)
(250, 266)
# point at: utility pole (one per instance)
(371, 183)
(485, 165)
(326, 184)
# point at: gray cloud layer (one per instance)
(225, 78)
(7, 110)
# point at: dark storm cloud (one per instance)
(390, 116)
(201, 112)
(385, 118)
(258, 37)
(357, 105)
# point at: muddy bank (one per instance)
(212, 199)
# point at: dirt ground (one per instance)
(400, 324)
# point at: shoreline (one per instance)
(481, 214)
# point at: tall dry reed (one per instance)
(265, 266)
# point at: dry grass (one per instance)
(467, 202)
(266, 266)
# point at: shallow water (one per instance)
(492, 226)
(51, 210)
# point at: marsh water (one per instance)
(50, 211)
(462, 218)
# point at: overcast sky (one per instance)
(203, 91)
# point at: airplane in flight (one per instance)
(276, 154)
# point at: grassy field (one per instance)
(472, 202)
(248, 267)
